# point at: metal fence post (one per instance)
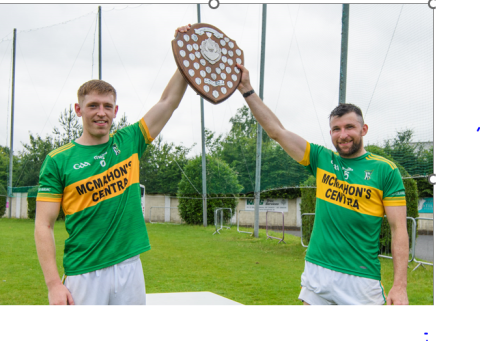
(283, 227)
(420, 263)
(238, 222)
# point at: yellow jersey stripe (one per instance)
(306, 157)
(61, 149)
(40, 198)
(393, 198)
(395, 203)
(145, 131)
(50, 195)
(55, 151)
(378, 158)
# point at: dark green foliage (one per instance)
(5, 164)
(160, 167)
(3, 200)
(278, 169)
(411, 196)
(425, 190)
(414, 157)
(33, 155)
(32, 202)
(221, 182)
(71, 128)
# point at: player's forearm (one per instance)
(157, 117)
(45, 242)
(400, 254)
(267, 119)
(174, 91)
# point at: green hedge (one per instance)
(411, 194)
(32, 204)
(221, 182)
(307, 205)
(3, 200)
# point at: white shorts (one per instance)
(321, 286)
(122, 283)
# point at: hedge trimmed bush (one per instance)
(3, 200)
(307, 205)
(222, 181)
(411, 195)
(32, 204)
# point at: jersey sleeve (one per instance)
(394, 190)
(310, 158)
(139, 134)
(50, 184)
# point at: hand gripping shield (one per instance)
(207, 60)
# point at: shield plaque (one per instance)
(207, 59)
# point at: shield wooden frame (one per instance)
(207, 59)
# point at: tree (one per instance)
(71, 128)
(119, 123)
(412, 156)
(278, 168)
(221, 182)
(160, 167)
(416, 159)
(5, 166)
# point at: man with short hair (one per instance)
(355, 189)
(96, 180)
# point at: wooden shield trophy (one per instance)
(207, 59)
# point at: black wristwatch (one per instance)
(248, 93)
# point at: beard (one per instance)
(353, 149)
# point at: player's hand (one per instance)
(397, 296)
(59, 295)
(182, 29)
(244, 85)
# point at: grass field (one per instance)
(253, 271)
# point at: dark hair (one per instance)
(345, 108)
(95, 86)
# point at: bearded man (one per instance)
(355, 189)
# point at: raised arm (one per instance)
(157, 117)
(293, 144)
(397, 218)
(47, 213)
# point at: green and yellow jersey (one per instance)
(98, 187)
(351, 196)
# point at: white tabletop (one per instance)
(189, 298)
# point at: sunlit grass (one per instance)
(188, 258)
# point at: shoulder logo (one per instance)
(368, 174)
(115, 149)
(81, 165)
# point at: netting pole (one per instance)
(204, 162)
(100, 42)
(344, 55)
(10, 171)
(259, 127)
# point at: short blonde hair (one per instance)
(95, 86)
